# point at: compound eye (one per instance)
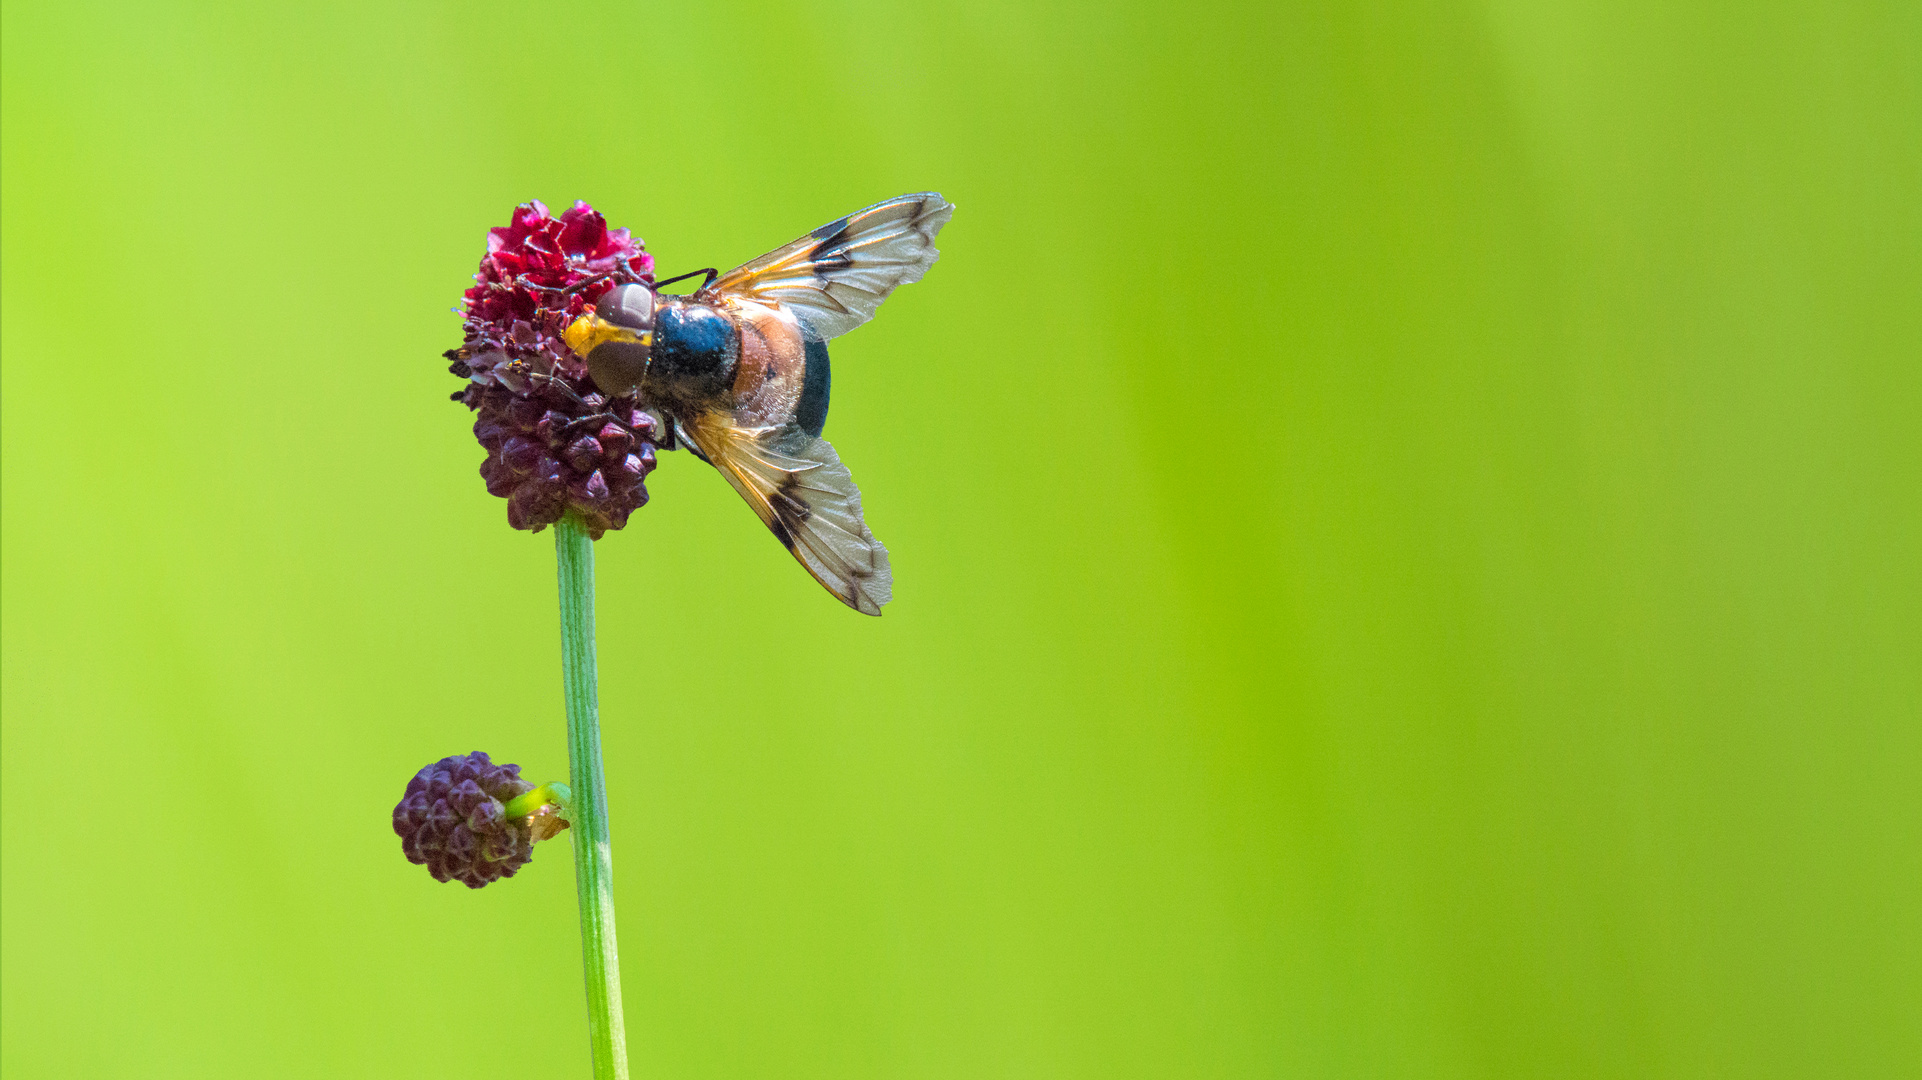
(617, 366)
(629, 306)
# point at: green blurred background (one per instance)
(1405, 516)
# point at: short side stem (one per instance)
(593, 862)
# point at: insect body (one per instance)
(740, 371)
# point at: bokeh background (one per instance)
(1406, 521)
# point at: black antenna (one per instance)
(709, 271)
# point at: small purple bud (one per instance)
(615, 441)
(502, 782)
(500, 479)
(485, 814)
(451, 819)
(466, 796)
(520, 454)
(490, 432)
(592, 490)
(460, 844)
(524, 413)
(411, 811)
(531, 507)
(584, 453)
(501, 846)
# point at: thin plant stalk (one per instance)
(593, 861)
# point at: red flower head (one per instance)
(552, 441)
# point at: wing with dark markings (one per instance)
(835, 276)
(798, 487)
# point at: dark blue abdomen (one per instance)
(811, 412)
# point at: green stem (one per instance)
(593, 863)
(524, 804)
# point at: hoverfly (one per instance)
(739, 370)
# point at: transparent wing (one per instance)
(834, 277)
(798, 487)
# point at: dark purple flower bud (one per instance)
(591, 490)
(530, 505)
(523, 413)
(500, 847)
(584, 453)
(453, 819)
(413, 807)
(499, 477)
(525, 383)
(466, 795)
(485, 814)
(520, 454)
(491, 433)
(460, 845)
(616, 441)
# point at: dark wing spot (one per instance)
(824, 258)
(781, 532)
(827, 262)
(789, 508)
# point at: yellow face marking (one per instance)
(590, 331)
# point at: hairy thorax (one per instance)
(696, 350)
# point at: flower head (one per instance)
(453, 818)
(553, 442)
